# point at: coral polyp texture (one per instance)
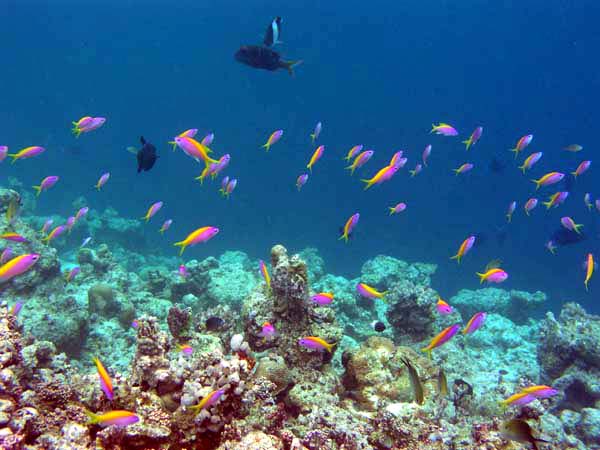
(225, 358)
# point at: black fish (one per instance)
(378, 326)
(214, 323)
(273, 32)
(263, 58)
(146, 156)
(562, 236)
(518, 430)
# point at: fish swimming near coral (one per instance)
(264, 58)
(18, 266)
(415, 382)
(214, 323)
(518, 430)
(442, 383)
(208, 400)
(105, 381)
(118, 418)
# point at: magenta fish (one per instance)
(17, 266)
(72, 274)
(511, 210)
(581, 168)
(47, 224)
(301, 180)
(475, 323)
(323, 298)
(398, 208)
(70, 223)
(16, 308)
(444, 129)
(207, 140)
(416, 170)
(7, 254)
(474, 138)
(530, 204)
(3, 152)
(426, 154)
(183, 271)
(267, 332)
(46, 184)
(81, 213)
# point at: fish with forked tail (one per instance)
(264, 58)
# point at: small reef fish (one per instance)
(556, 199)
(301, 180)
(71, 274)
(267, 331)
(85, 242)
(47, 224)
(186, 349)
(70, 223)
(464, 248)
(195, 150)
(444, 336)
(349, 227)
(463, 168)
(415, 382)
(146, 156)
(216, 168)
(154, 208)
(581, 168)
(46, 184)
(521, 144)
(384, 174)
(540, 391)
(474, 138)
(443, 308)
(518, 430)
(315, 134)
(265, 273)
(105, 381)
(17, 266)
(316, 343)
(378, 326)
(56, 232)
(7, 254)
(273, 32)
(260, 57)
(214, 323)
(28, 152)
(207, 140)
(197, 236)
(275, 136)
(530, 161)
(353, 152)
(82, 212)
(16, 308)
(444, 129)
(230, 187)
(570, 224)
(475, 323)
(573, 148)
(224, 183)
(182, 270)
(12, 210)
(13, 237)
(187, 133)
(530, 204)
(548, 179)
(589, 269)
(551, 246)
(587, 200)
(442, 383)
(360, 161)
(369, 292)
(135, 324)
(323, 298)
(425, 155)
(511, 210)
(102, 180)
(597, 204)
(495, 275)
(315, 157)
(396, 157)
(3, 152)
(165, 226)
(398, 208)
(416, 171)
(208, 401)
(118, 418)
(80, 125)
(518, 399)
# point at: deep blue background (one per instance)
(376, 73)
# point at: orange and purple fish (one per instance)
(349, 226)
(275, 136)
(444, 129)
(323, 298)
(495, 275)
(353, 152)
(315, 134)
(17, 266)
(301, 181)
(475, 323)
(154, 208)
(530, 204)
(27, 152)
(474, 138)
(463, 168)
(360, 161)
(315, 157)
(426, 153)
(464, 248)
(46, 184)
(105, 381)
(443, 308)
(511, 209)
(267, 332)
(200, 235)
(187, 133)
(118, 418)
(13, 237)
(209, 400)
(556, 199)
(581, 168)
(208, 139)
(416, 171)
(384, 174)
(369, 292)
(530, 161)
(82, 212)
(3, 152)
(540, 391)
(230, 187)
(549, 179)
(398, 208)
(102, 180)
(56, 232)
(316, 343)
(71, 274)
(165, 226)
(589, 269)
(521, 144)
(186, 349)
(264, 271)
(7, 254)
(442, 338)
(570, 224)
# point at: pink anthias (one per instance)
(398, 208)
(426, 154)
(268, 331)
(3, 152)
(301, 180)
(17, 266)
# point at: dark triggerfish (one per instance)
(264, 58)
(146, 156)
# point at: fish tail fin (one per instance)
(574, 174)
(266, 146)
(537, 184)
(522, 168)
(547, 204)
(38, 190)
(369, 183)
(289, 65)
(174, 144)
(181, 244)
(391, 208)
(427, 350)
(515, 150)
(457, 257)
(329, 347)
(413, 173)
(481, 277)
(344, 236)
(456, 171)
(467, 143)
(589, 206)
(351, 168)
(313, 136)
(14, 156)
(527, 212)
(577, 226)
(433, 128)
(93, 418)
(76, 130)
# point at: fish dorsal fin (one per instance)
(142, 140)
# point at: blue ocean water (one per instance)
(375, 73)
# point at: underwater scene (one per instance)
(299, 225)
